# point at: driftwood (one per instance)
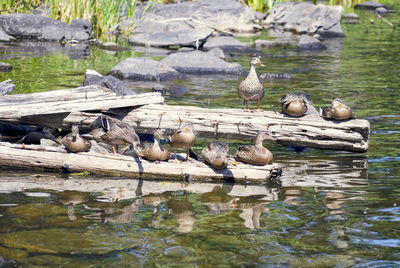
(35, 156)
(307, 131)
(15, 107)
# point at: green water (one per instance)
(342, 212)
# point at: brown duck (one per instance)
(251, 89)
(155, 151)
(294, 104)
(183, 138)
(216, 154)
(338, 110)
(75, 143)
(255, 154)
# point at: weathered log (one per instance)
(14, 107)
(31, 156)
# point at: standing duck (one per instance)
(338, 110)
(155, 151)
(251, 89)
(255, 154)
(75, 143)
(294, 104)
(217, 154)
(117, 133)
(183, 138)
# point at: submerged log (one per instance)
(14, 107)
(42, 157)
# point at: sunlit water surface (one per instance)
(342, 210)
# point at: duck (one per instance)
(251, 89)
(155, 151)
(183, 138)
(216, 154)
(338, 111)
(73, 142)
(255, 154)
(294, 104)
(115, 132)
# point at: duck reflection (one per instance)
(120, 212)
(218, 201)
(156, 200)
(183, 212)
(71, 199)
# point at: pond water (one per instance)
(342, 210)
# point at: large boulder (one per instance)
(119, 87)
(5, 37)
(306, 18)
(190, 37)
(307, 42)
(198, 62)
(144, 69)
(228, 15)
(28, 26)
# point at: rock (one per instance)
(192, 38)
(352, 16)
(177, 91)
(228, 15)
(274, 76)
(159, 88)
(306, 18)
(222, 41)
(111, 46)
(5, 37)
(109, 81)
(28, 26)
(382, 10)
(145, 69)
(5, 87)
(273, 43)
(198, 62)
(217, 52)
(369, 5)
(307, 42)
(5, 67)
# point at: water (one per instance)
(340, 209)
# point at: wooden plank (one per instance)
(14, 107)
(107, 164)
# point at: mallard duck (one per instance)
(183, 138)
(155, 151)
(216, 154)
(338, 110)
(75, 143)
(255, 154)
(294, 104)
(251, 89)
(119, 133)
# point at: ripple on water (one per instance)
(384, 159)
(378, 264)
(390, 242)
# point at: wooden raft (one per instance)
(55, 158)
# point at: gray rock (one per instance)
(28, 26)
(5, 67)
(274, 43)
(222, 41)
(217, 52)
(111, 46)
(306, 18)
(369, 5)
(307, 42)
(352, 16)
(177, 91)
(198, 62)
(382, 10)
(276, 76)
(222, 14)
(192, 37)
(109, 81)
(5, 37)
(6, 87)
(145, 69)
(159, 88)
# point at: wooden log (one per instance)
(107, 164)
(15, 107)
